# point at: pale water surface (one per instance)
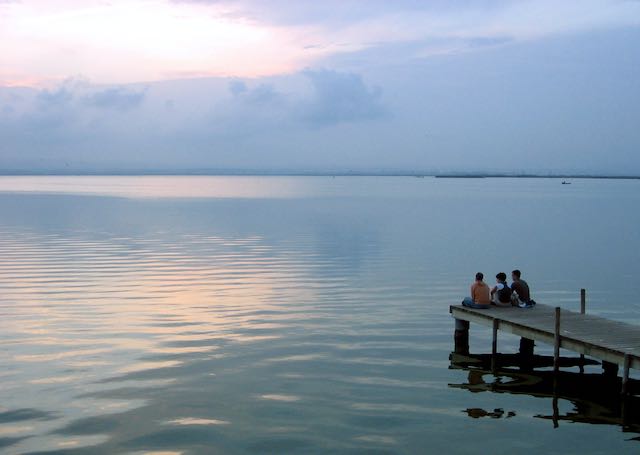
(237, 315)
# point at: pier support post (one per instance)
(609, 369)
(625, 374)
(583, 310)
(526, 354)
(625, 390)
(554, 405)
(556, 367)
(461, 337)
(494, 345)
(556, 343)
(526, 347)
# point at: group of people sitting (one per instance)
(502, 295)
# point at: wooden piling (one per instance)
(461, 337)
(525, 354)
(583, 310)
(494, 344)
(610, 369)
(462, 325)
(625, 374)
(526, 347)
(556, 342)
(556, 366)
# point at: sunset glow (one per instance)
(121, 42)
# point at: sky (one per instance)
(350, 85)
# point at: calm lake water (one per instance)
(252, 315)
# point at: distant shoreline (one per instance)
(541, 176)
(253, 173)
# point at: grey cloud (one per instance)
(261, 95)
(63, 95)
(55, 98)
(341, 97)
(8, 109)
(6, 103)
(65, 106)
(51, 108)
(264, 94)
(62, 121)
(237, 87)
(250, 110)
(331, 98)
(117, 98)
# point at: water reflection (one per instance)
(157, 340)
(157, 186)
(315, 322)
(595, 398)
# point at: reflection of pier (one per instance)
(615, 343)
(595, 397)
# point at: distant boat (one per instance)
(564, 182)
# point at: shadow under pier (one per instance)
(596, 398)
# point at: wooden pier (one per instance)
(615, 343)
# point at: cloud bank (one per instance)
(300, 85)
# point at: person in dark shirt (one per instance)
(521, 288)
(501, 292)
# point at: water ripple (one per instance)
(236, 326)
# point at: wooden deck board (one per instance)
(586, 334)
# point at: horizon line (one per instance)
(318, 173)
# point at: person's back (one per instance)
(521, 287)
(480, 293)
(480, 297)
